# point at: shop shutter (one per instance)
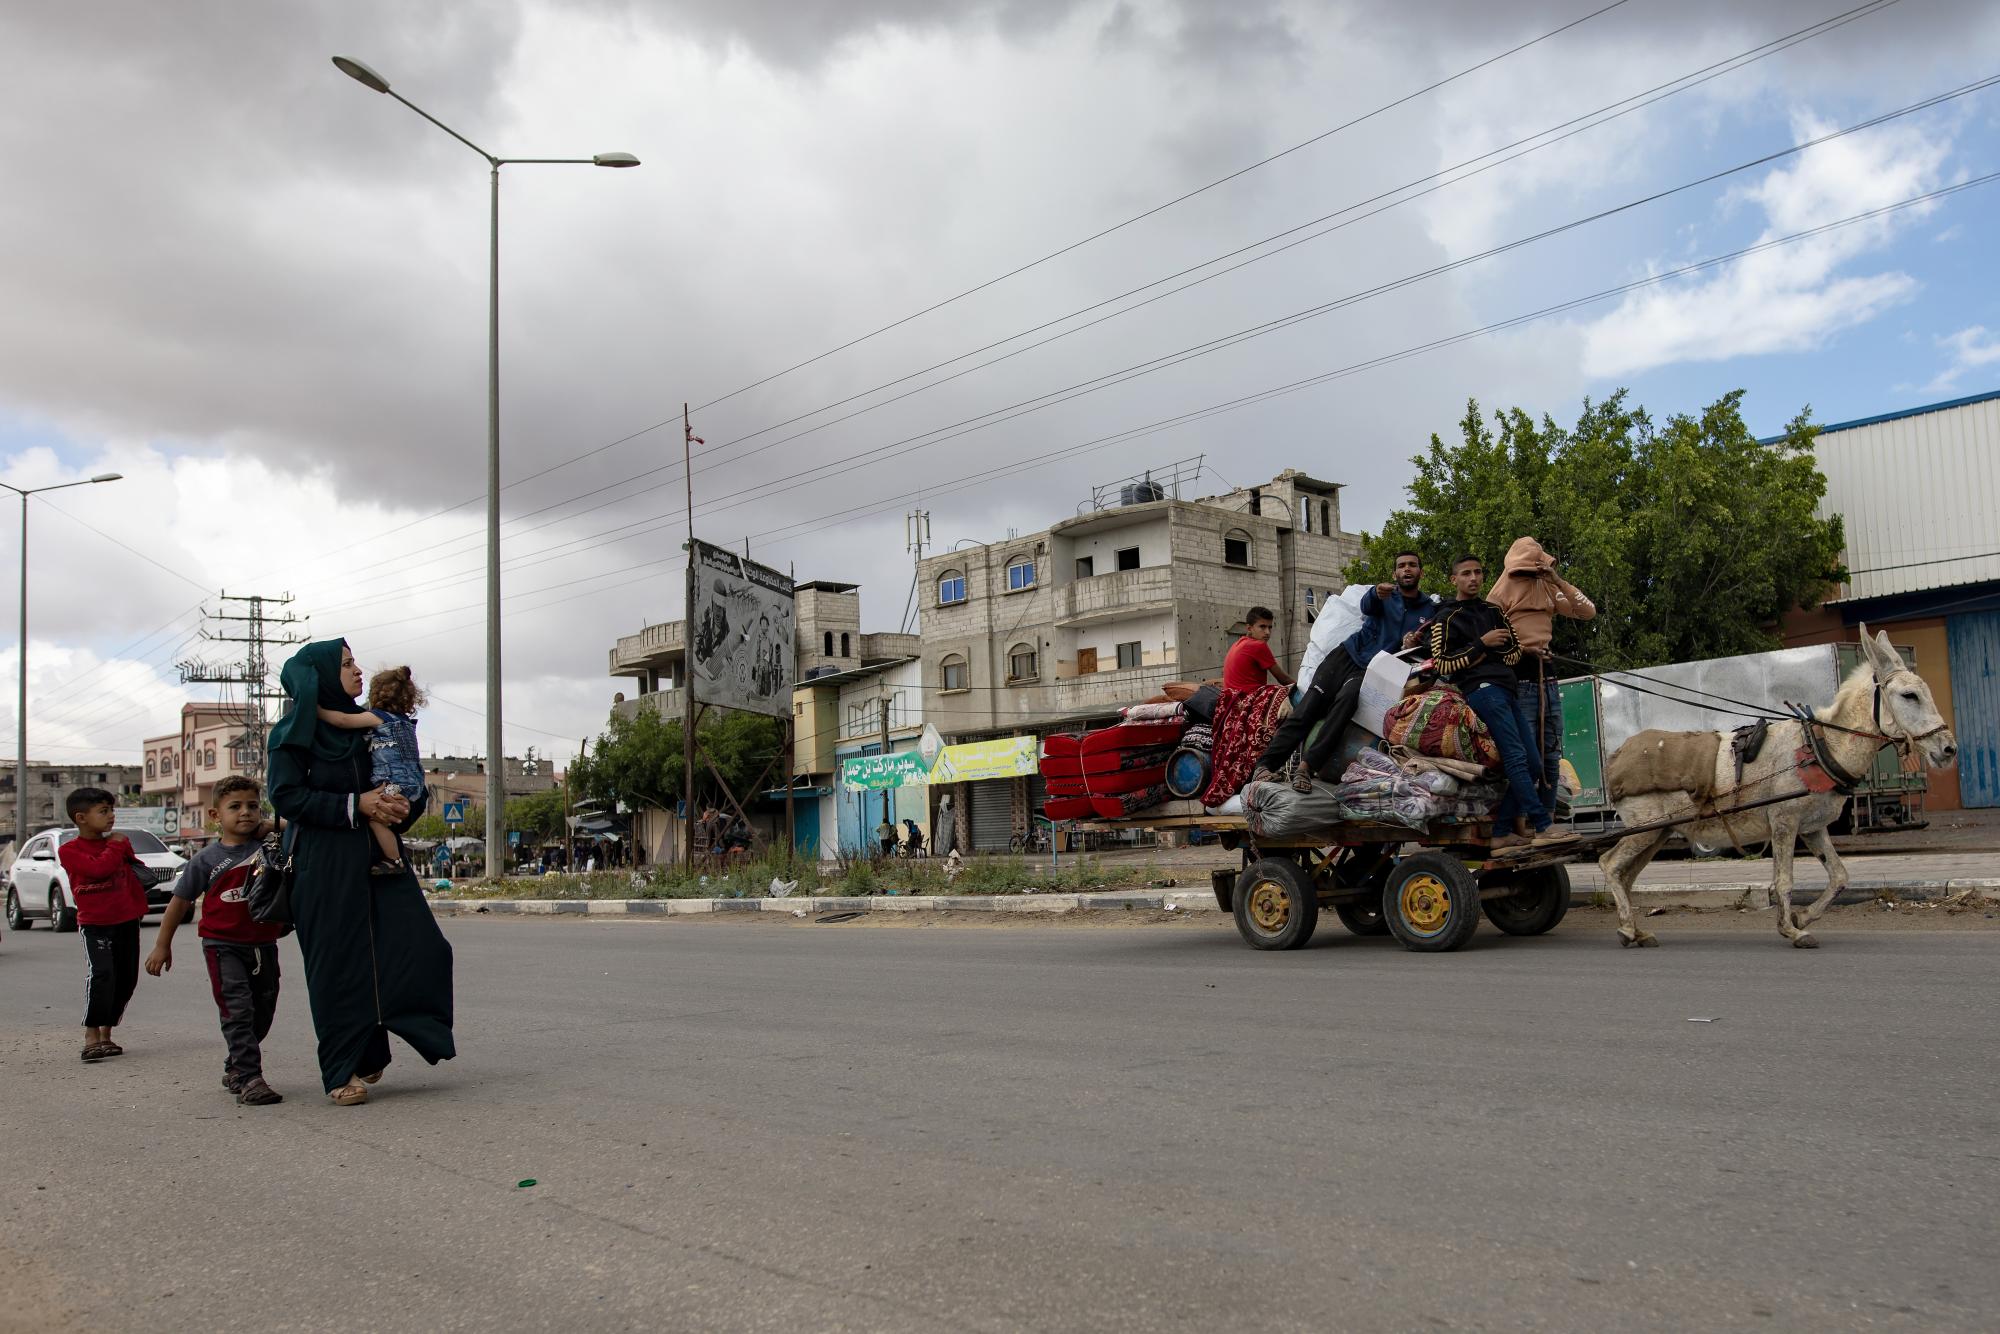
(992, 814)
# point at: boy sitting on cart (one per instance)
(1476, 649)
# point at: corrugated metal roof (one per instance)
(1920, 491)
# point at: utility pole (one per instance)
(254, 672)
(688, 441)
(888, 793)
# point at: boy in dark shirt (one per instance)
(242, 953)
(110, 900)
(1475, 648)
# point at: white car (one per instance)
(38, 887)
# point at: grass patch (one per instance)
(859, 878)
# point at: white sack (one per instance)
(1338, 618)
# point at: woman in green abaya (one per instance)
(376, 962)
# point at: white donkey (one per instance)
(1881, 703)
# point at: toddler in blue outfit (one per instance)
(393, 700)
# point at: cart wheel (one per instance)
(1363, 919)
(1541, 903)
(1223, 882)
(1431, 902)
(1276, 906)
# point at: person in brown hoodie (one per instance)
(1532, 594)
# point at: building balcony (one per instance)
(649, 649)
(1107, 597)
(1104, 692)
(667, 703)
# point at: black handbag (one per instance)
(268, 895)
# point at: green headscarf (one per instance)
(312, 678)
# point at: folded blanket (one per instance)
(1164, 712)
(1440, 723)
(1244, 722)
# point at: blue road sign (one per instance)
(454, 813)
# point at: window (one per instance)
(1020, 573)
(208, 756)
(1128, 558)
(1021, 663)
(829, 643)
(240, 756)
(843, 645)
(152, 765)
(1236, 548)
(1305, 514)
(1312, 607)
(951, 588)
(1130, 655)
(1086, 566)
(1326, 517)
(860, 718)
(952, 672)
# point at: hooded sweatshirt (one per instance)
(1532, 594)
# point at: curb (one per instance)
(1753, 894)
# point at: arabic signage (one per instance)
(976, 761)
(873, 773)
(740, 636)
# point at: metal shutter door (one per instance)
(992, 814)
(1973, 639)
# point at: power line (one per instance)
(1158, 208)
(1561, 131)
(1013, 411)
(1015, 272)
(867, 509)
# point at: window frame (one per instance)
(1014, 655)
(1086, 567)
(945, 666)
(949, 577)
(1021, 563)
(844, 645)
(1249, 544)
(1138, 647)
(1120, 554)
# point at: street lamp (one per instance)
(496, 761)
(21, 704)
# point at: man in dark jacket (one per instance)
(1391, 614)
(1476, 650)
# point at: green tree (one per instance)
(431, 825)
(638, 760)
(1692, 537)
(538, 815)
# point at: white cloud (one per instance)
(1971, 349)
(1792, 298)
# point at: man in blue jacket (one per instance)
(1392, 614)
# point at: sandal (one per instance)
(111, 1048)
(256, 1093)
(95, 1051)
(230, 1082)
(375, 1078)
(349, 1095)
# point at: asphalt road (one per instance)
(747, 1126)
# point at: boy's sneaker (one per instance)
(256, 1093)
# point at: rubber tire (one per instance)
(16, 919)
(1223, 882)
(1300, 921)
(60, 918)
(1362, 918)
(1536, 912)
(1462, 912)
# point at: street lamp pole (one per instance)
(21, 701)
(496, 753)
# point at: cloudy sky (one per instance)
(258, 290)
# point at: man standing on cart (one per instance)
(1392, 614)
(1476, 650)
(1532, 594)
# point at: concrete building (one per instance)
(873, 709)
(1057, 629)
(184, 767)
(456, 778)
(49, 785)
(1919, 491)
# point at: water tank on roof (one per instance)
(1141, 493)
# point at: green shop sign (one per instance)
(875, 772)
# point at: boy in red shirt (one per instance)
(1250, 657)
(242, 953)
(110, 900)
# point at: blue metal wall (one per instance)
(1974, 642)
